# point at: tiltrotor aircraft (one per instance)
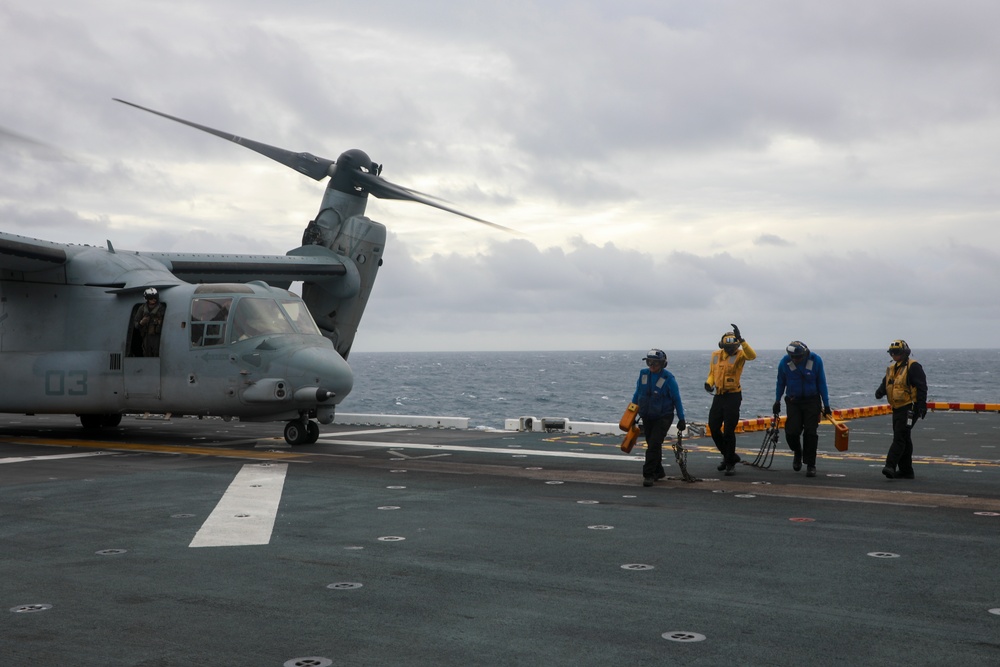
(234, 341)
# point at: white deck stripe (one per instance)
(22, 459)
(245, 513)
(344, 434)
(486, 450)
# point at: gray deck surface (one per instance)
(516, 549)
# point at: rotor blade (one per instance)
(13, 137)
(314, 167)
(31, 147)
(383, 189)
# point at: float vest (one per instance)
(726, 370)
(154, 324)
(898, 389)
(655, 400)
(800, 381)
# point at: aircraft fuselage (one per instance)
(250, 351)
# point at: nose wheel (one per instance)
(301, 432)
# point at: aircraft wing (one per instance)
(20, 253)
(308, 263)
(277, 270)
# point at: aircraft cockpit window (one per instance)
(208, 320)
(222, 288)
(259, 317)
(300, 316)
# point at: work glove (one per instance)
(681, 426)
(827, 412)
(880, 392)
(777, 408)
(921, 409)
(708, 387)
(736, 332)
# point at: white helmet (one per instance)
(151, 294)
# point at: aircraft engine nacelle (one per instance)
(337, 304)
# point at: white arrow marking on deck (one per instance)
(22, 459)
(245, 513)
(486, 450)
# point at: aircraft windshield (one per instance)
(259, 317)
(208, 320)
(299, 314)
(253, 317)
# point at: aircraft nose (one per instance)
(323, 369)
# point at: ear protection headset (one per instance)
(728, 338)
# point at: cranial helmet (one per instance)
(900, 346)
(151, 293)
(797, 349)
(656, 355)
(728, 342)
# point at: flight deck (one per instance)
(196, 541)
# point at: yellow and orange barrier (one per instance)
(764, 423)
(867, 411)
(964, 407)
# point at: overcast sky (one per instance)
(816, 171)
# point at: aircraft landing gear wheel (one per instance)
(91, 421)
(297, 432)
(100, 421)
(312, 432)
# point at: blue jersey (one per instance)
(803, 380)
(657, 395)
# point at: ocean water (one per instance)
(489, 387)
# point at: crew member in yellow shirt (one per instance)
(724, 380)
(905, 386)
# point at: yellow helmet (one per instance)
(898, 346)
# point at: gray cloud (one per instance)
(771, 239)
(516, 297)
(816, 171)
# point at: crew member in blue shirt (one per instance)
(658, 397)
(802, 380)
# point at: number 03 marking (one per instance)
(69, 383)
